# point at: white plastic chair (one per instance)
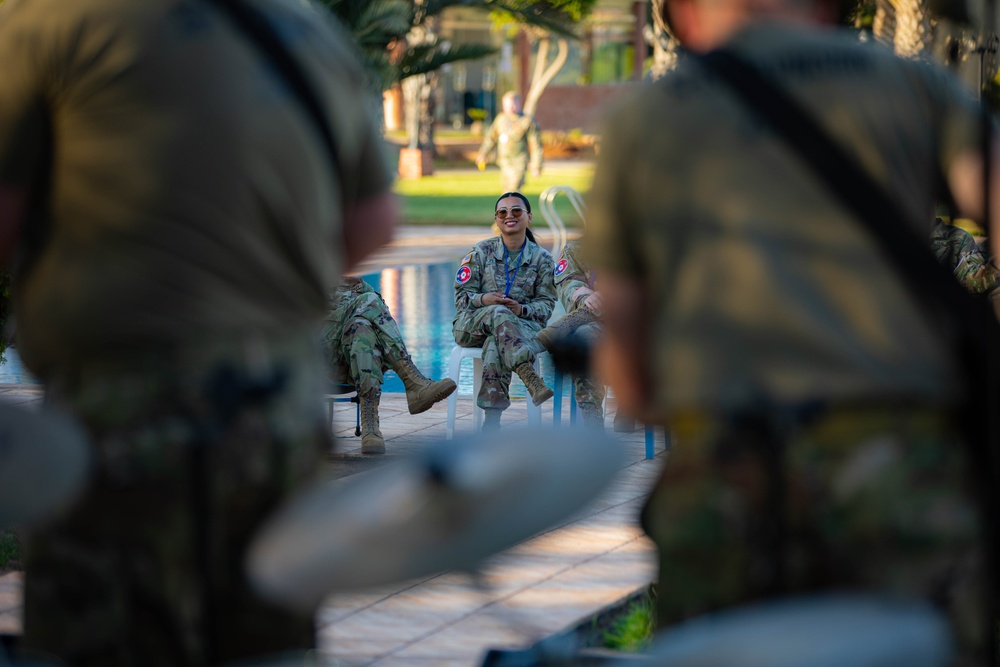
(458, 353)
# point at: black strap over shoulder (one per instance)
(258, 30)
(846, 179)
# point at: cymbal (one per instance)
(861, 630)
(44, 462)
(445, 508)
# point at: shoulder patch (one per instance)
(468, 259)
(560, 267)
(464, 275)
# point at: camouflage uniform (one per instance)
(515, 137)
(361, 338)
(956, 249)
(807, 386)
(173, 307)
(850, 498)
(118, 580)
(495, 328)
(570, 274)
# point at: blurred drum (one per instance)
(446, 508)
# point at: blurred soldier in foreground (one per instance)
(517, 141)
(362, 342)
(957, 250)
(178, 223)
(808, 386)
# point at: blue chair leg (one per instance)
(357, 415)
(557, 400)
(650, 440)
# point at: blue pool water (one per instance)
(420, 297)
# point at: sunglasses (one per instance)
(515, 211)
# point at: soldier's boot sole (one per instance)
(372, 443)
(422, 400)
(539, 396)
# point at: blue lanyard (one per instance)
(509, 279)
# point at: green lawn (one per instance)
(466, 196)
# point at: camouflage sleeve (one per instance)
(489, 141)
(535, 145)
(469, 282)
(540, 307)
(569, 277)
(957, 250)
(977, 274)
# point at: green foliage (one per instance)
(858, 13)
(376, 26)
(555, 16)
(10, 551)
(633, 630)
(5, 309)
(383, 30)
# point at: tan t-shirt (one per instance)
(762, 286)
(192, 199)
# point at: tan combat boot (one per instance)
(536, 388)
(491, 420)
(624, 423)
(592, 415)
(421, 393)
(372, 441)
(565, 326)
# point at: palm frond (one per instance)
(426, 59)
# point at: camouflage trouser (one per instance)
(512, 172)
(589, 392)
(363, 340)
(148, 564)
(501, 334)
(863, 499)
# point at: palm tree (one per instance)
(400, 44)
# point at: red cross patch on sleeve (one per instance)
(560, 267)
(463, 275)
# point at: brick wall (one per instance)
(576, 107)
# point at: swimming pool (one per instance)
(421, 298)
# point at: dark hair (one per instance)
(527, 207)
(527, 204)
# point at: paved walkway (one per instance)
(551, 582)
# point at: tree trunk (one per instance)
(664, 50)
(544, 71)
(912, 28)
(427, 111)
(884, 23)
(411, 108)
